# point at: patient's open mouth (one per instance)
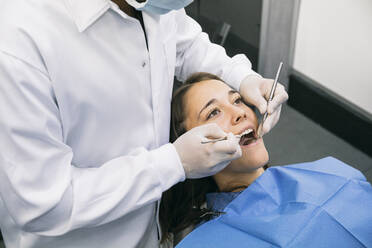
(248, 137)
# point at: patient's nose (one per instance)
(239, 115)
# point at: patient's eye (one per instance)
(238, 100)
(213, 113)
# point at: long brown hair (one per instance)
(182, 205)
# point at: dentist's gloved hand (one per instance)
(202, 160)
(256, 90)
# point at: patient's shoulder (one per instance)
(328, 165)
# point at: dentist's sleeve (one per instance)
(44, 192)
(195, 53)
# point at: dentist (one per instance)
(85, 90)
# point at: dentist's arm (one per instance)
(43, 190)
(195, 53)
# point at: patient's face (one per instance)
(213, 101)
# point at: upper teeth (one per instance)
(246, 132)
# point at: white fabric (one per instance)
(84, 119)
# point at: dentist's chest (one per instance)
(115, 68)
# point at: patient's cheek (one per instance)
(224, 125)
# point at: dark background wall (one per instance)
(243, 16)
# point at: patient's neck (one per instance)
(228, 181)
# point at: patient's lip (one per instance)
(246, 128)
(257, 141)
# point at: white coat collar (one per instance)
(86, 12)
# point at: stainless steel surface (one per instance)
(220, 139)
(272, 92)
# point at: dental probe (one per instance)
(220, 139)
(273, 88)
(238, 136)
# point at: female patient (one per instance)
(205, 98)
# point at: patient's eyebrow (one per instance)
(231, 92)
(206, 106)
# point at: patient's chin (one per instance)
(244, 166)
(250, 160)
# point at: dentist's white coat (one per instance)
(84, 119)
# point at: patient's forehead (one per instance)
(208, 89)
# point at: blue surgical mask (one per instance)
(159, 7)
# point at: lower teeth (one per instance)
(249, 141)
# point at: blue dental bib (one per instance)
(325, 203)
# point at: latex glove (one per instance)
(201, 160)
(256, 90)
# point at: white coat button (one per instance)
(143, 63)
